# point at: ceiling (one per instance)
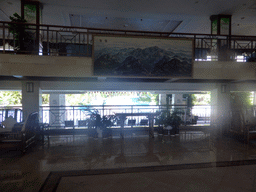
(181, 16)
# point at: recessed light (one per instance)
(18, 76)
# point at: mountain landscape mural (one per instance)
(142, 57)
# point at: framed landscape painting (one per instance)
(142, 57)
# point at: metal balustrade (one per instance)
(15, 111)
(76, 116)
(57, 116)
(77, 41)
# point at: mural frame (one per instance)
(118, 69)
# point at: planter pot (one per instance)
(160, 130)
(172, 132)
(175, 130)
(92, 133)
(165, 131)
(106, 133)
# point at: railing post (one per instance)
(87, 53)
(194, 46)
(57, 46)
(74, 116)
(185, 116)
(132, 118)
(103, 113)
(205, 116)
(79, 44)
(3, 37)
(48, 46)
(15, 114)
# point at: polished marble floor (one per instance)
(141, 155)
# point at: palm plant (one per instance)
(19, 31)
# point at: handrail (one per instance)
(61, 40)
(130, 31)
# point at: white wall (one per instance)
(61, 66)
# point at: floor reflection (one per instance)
(63, 153)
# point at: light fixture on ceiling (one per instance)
(18, 76)
(102, 78)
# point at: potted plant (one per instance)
(166, 119)
(160, 122)
(23, 39)
(98, 125)
(107, 121)
(93, 123)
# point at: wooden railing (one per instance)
(77, 41)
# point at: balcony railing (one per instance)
(77, 41)
(60, 116)
(14, 111)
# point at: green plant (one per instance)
(166, 118)
(19, 31)
(241, 100)
(96, 121)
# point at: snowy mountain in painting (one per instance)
(150, 61)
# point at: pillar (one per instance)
(179, 99)
(162, 99)
(31, 97)
(221, 25)
(220, 108)
(57, 111)
(254, 98)
(32, 11)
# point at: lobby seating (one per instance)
(22, 135)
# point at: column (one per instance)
(31, 97)
(122, 119)
(32, 11)
(221, 25)
(220, 108)
(254, 98)
(179, 99)
(57, 110)
(162, 99)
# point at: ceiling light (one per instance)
(18, 76)
(102, 78)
